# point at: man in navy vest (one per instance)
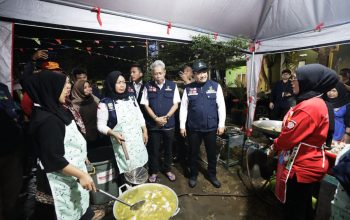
(202, 117)
(160, 98)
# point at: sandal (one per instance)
(153, 178)
(170, 176)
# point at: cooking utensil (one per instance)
(135, 176)
(134, 206)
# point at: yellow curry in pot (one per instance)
(160, 204)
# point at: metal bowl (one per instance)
(270, 128)
(137, 176)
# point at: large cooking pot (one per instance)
(271, 128)
(161, 202)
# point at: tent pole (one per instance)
(251, 77)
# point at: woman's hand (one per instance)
(118, 137)
(271, 151)
(87, 183)
(145, 138)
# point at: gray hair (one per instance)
(157, 63)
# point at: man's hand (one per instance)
(271, 105)
(40, 54)
(183, 132)
(161, 121)
(220, 131)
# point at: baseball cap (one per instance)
(199, 65)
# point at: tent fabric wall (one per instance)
(326, 37)
(6, 42)
(254, 63)
(82, 19)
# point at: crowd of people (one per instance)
(66, 117)
(141, 120)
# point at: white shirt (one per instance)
(176, 98)
(220, 101)
(137, 87)
(102, 118)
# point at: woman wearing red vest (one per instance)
(305, 130)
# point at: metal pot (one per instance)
(118, 208)
(270, 128)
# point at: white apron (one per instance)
(130, 127)
(70, 199)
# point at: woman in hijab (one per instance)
(119, 116)
(61, 151)
(86, 103)
(340, 100)
(305, 129)
(69, 107)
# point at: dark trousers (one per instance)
(195, 139)
(153, 147)
(298, 204)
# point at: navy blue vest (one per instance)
(202, 108)
(112, 114)
(160, 101)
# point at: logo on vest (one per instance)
(152, 89)
(211, 90)
(168, 89)
(130, 89)
(193, 91)
(110, 106)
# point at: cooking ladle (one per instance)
(134, 207)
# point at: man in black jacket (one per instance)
(281, 97)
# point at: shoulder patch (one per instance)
(291, 124)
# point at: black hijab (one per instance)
(343, 97)
(315, 79)
(45, 89)
(110, 82)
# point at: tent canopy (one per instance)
(277, 25)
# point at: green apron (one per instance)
(129, 126)
(70, 199)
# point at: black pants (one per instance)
(195, 139)
(153, 147)
(10, 184)
(298, 204)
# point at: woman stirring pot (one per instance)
(305, 129)
(61, 149)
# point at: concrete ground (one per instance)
(237, 202)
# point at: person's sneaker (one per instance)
(213, 180)
(192, 182)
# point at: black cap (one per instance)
(199, 65)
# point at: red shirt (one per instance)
(308, 123)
